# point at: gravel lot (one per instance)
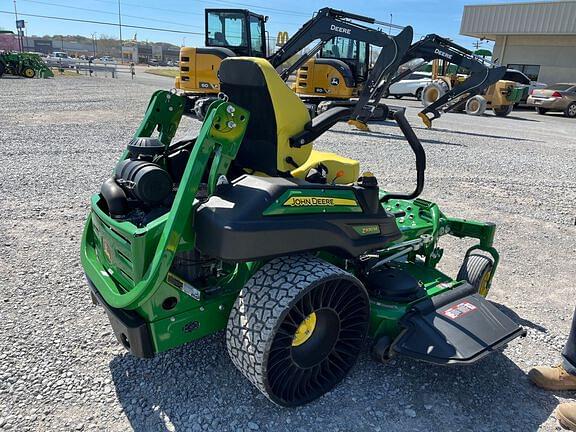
(61, 368)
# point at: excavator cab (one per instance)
(340, 67)
(237, 30)
(229, 33)
(355, 53)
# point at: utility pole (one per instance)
(390, 32)
(18, 30)
(120, 27)
(94, 44)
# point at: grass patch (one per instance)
(66, 73)
(173, 73)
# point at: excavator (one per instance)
(228, 33)
(336, 71)
(481, 74)
(315, 79)
(500, 97)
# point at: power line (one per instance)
(108, 13)
(103, 23)
(233, 3)
(176, 11)
(184, 12)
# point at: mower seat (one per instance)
(276, 115)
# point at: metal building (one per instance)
(538, 38)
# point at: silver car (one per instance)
(556, 97)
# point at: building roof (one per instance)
(530, 18)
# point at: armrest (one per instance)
(318, 125)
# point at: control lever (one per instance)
(418, 150)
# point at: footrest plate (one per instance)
(460, 330)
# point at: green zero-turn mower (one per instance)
(247, 228)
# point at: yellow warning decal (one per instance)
(319, 202)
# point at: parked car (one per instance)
(523, 80)
(556, 97)
(412, 85)
(60, 59)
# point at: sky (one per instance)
(426, 16)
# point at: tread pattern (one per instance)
(262, 305)
(473, 268)
(482, 103)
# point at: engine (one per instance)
(143, 185)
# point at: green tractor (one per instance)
(299, 258)
(27, 65)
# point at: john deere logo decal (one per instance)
(318, 202)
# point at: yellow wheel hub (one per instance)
(29, 72)
(305, 330)
(483, 287)
(432, 95)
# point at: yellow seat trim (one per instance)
(349, 168)
(291, 116)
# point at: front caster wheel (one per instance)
(477, 271)
(297, 327)
(381, 349)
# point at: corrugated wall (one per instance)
(520, 18)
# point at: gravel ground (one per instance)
(61, 368)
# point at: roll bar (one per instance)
(418, 150)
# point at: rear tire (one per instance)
(541, 111)
(503, 111)
(570, 110)
(418, 94)
(477, 271)
(476, 106)
(2, 69)
(433, 91)
(297, 328)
